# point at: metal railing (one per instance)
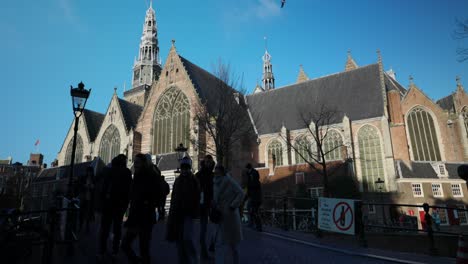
(283, 214)
(20, 231)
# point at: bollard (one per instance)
(360, 227)
(430, 232)
(48, 250)
(285, 216)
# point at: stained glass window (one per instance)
(423, 137)
(78, 152)
(332, 145)
(370, 152)
(275, 152)
(303, 148)
(110, 144)
(172, 121)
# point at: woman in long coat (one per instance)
(228, 196)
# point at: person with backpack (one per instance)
(142, 212)
(254, 196)
(205, 178)
(114, 199)
(185, 203)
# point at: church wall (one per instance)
(414, 98)
(170, 76)
(113, 117)
(82, 132)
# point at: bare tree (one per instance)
(461, 33)
(223, 119)
(318, 124)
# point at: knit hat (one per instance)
(186, 161)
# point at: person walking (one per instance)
(205, 178)
(228, 196)
(254, 197)
(142, 212)
(115, 197)
(184, 209)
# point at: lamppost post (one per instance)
(79, 98)
(380, 183)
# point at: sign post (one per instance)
(337, 215)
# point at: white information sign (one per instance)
(336, 215)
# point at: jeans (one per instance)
(223, 249)
(186, 251)
(144, 235)
(112, 217)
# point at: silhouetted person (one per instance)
(87, 198)
(142, 213)
(164, 190)
(185, 202)
(115, 196)
(254, 196)
(205, 179)
(228, 196)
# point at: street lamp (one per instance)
(79, 98)
(181, 153)
(380, 184)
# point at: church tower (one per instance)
(147, 65)
(268, 78)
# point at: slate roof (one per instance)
(356, 93)
(391, 84)
(131, 112)
(169, 161)
(58, 173)
(93, 121)
(446, 103)
(205, 83)
(424, 170)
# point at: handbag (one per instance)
(215, 215)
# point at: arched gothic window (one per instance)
(333, 145)
(370, 156)
(303, 149)
(78, 152)
(423, 136)
(465, 118)
(275, 152)
(172, 121)
(110, 144)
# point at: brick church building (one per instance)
(390, 133)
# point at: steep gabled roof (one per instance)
(391, 84)
(356, 93)
(446, 103)
(205, 84)
(131, 112)
(93, 123)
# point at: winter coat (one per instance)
(254, 187)
(116, 188)
(143, 199)
(185, 200)
(205, 178)
(228, 196)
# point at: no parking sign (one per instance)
(337, 215)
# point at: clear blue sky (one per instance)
(49, 45)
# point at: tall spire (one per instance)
(302, 77)
(268, 77)
(147, 65)
(350, 63)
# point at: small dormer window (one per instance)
(440, 170)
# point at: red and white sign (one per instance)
(336, 215)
